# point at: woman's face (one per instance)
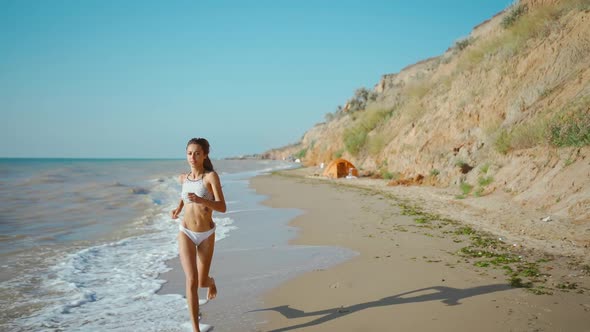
(195, 155)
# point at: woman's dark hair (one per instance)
(205, 146)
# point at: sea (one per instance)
(86, 245)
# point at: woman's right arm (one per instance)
(174, 213)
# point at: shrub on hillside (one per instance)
(529, 134)
(461, 44)
(354, 139)
(359, 101)
(387, 175)
(301, 154)
(513, 15)
(376, 144)
(371, 119)
(502, 142)
(571, 127)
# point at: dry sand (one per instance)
(410, 274)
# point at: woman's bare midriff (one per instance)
(197, 218)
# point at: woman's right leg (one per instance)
(188, 259)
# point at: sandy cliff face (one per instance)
(482, 104)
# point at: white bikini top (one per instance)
(195, 186)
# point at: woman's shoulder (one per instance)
(212, 175)
(182, 177)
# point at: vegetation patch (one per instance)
(338, 153)
(301, 153)
(484, 181)
(567, 285)
(464, 230)
(489, 252)
(484, 168)
(386, 174)
(462, 44)
(409, 210)
(502, 141)
(465, 188)
(359, 101)
(571, 126)
(540, 290)
(421, 220)
(517, 282)
(515, 12)
(482, 264)
(414, 111)
(355, 137)
(520, 24)
(529, 134)
(376, 143)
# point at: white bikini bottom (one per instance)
(196, 237)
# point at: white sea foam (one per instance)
(113, 286)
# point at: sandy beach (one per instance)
(423, 264)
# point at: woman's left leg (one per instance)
(205, 256)
(188, 256)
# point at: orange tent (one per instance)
(340, 168)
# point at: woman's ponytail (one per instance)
(208, 164)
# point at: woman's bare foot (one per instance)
(212, 293)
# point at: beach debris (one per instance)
(408, 181)
(546, 219)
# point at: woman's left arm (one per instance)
(219, 203)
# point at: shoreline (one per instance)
(494, 213)
(254, 258)
(417, 270)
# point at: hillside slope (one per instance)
(504, 112)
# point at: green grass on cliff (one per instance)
(568, 126)
(355, 137)
(520, 25)
(571, 126)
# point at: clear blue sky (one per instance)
(139, 78)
